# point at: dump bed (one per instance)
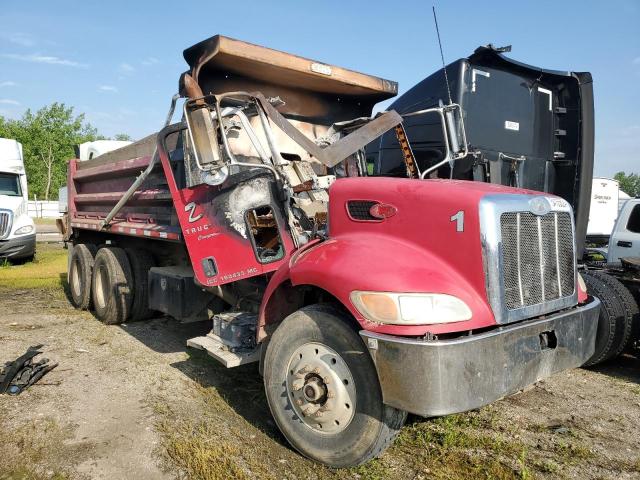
(95, 186)
(312, 91)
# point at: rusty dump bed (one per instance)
(95, 186)
(315, 96)
(313, 91)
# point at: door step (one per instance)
(215, 347)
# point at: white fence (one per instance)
(41, 209)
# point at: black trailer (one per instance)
(526, 127)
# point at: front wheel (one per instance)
(323, 390)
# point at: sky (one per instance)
(118, 62)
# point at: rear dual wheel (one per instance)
(618, 312)
(323, 390)
(111, 285)
(79, 275)
(119, 290)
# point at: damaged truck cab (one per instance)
(362, 298)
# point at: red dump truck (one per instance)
(362, 298)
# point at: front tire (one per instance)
(323, 390)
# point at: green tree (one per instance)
(123, 137)
(629, 183)
(48, 137)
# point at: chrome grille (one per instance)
(5, 224)
(537, 258)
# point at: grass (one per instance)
(194, 448)
(462, 446)
(217, 439)
(44, 221)
(36, 450)
(45, 272)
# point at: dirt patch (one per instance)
(131, 402)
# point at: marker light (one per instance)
(410, 308)
(581, 284)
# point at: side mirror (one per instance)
(203, 136)
(453, 133)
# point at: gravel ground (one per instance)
(130, 401)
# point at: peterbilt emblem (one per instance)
(539, 205)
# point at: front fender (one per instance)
(380, 262)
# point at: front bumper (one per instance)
(19, 247)
(440, 377)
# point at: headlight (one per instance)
(581, 284)
(24, 230)
(410, 308)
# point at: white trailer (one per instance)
(603, 211)
(17, 230)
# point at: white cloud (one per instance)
(47, 59)
(22, 39)
(8, 101)
(107, 88)
(126, 68)
(147, 62)
(8, 83)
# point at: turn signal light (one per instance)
(382, 211)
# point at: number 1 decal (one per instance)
(459, 219)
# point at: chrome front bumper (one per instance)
(440, 377)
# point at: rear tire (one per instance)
(111, 286)
(314, 349)
(612, 328)
(79, 275)
(629, 306)
(141, 262)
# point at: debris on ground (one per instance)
(20, 374)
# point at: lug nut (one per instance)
(331, 395)
(318, 413)
(299, 402)
(316, 370)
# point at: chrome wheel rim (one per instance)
(320, 388)
(75, 278)
(101, 283)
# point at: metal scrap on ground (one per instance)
(20, 374)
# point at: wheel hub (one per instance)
(320, 388)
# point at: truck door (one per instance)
(625, 238)
(232, 231)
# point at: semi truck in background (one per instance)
(360, 298)
(17, 230)
(526, 127)
(90, 150)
